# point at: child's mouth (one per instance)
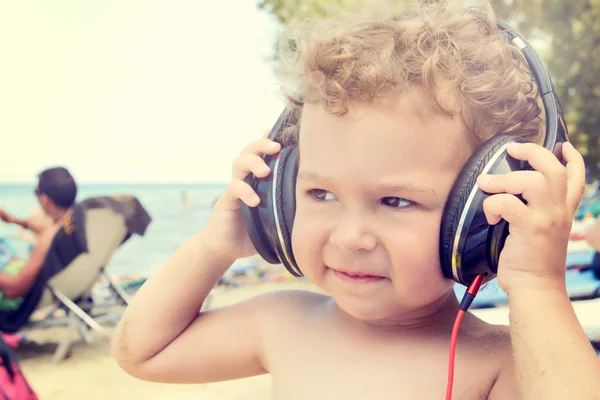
(357, 277)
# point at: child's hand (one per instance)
(534, 254)
(225, 235)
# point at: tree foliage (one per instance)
(565, 32)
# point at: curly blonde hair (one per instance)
(464, 66)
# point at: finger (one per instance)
(262, 146)
(575, 175)
(249, 163)
(531, 185)
(504, 206)
(540, 159)
(238, 190)
(545, 162)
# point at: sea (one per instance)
(172, 220)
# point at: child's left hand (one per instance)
(534, 254)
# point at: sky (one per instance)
(133, 91)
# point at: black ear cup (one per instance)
(467, 242)
(270, 224)
(260, 220)
(285, 206)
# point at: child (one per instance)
(392, 109)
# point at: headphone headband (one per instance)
(556, 128)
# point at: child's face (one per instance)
(371, 190)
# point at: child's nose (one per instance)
(351, 232)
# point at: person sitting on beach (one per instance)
(56, 192)
(390, 109)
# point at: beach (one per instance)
(90, 373)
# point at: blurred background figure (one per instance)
(185, 200)
(56, 192)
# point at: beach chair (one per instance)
(98, 227)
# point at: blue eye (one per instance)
(321, 195)
(396, 202)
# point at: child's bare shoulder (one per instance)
(493, 343)
(499, 334)
(486, 339)
(274, 309)
(281, 314)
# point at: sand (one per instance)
(91, 374)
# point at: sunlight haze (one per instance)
(133, 91)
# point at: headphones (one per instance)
(469, 246)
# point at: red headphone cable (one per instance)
(465, 303)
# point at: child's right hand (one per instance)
(225, 235)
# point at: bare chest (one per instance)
(344, 369)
